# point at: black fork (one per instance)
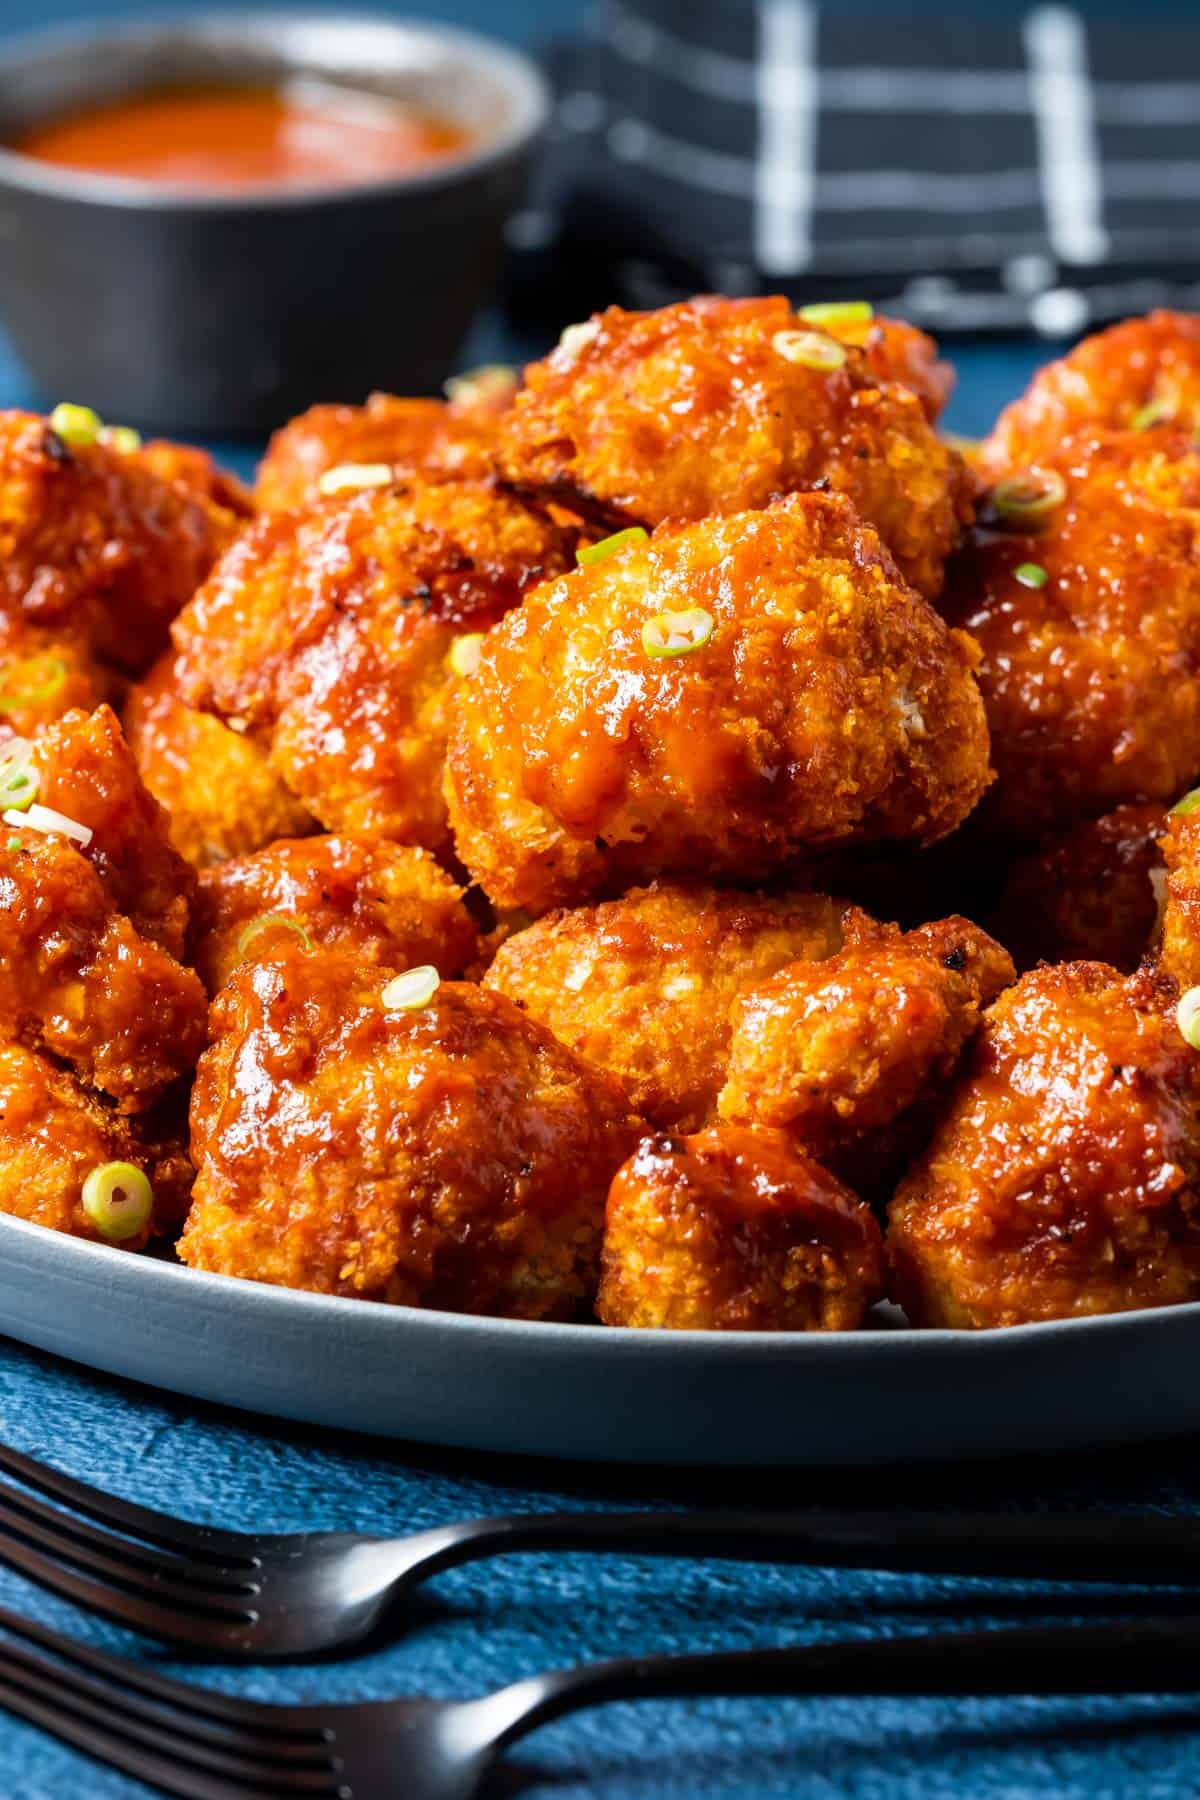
(236, 1594)
(200, 1745)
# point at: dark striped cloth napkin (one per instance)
(1038, 171)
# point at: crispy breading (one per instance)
(699, 408)
(829, 706)
(1063, 1177)
(79, 980)
(1178, 954)
(54, 1132)
(735, 1230)
(453, 1156)
(1142, 370)
(221, 795)
(87, 772)
(1087, 894)
(839, 1050)
(386, 904)
(1092, 680)
(423, 438)
(94, 542)
(642, 986)
(45, 673)
(894, 350)
(327, 636)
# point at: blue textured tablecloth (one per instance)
(481, 1628)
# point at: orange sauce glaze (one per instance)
(231, 138)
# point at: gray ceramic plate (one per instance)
(876, 1396)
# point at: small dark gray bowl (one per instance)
(227, 313)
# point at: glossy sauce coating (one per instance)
(1179, 951)
(385, 904)
(1092, 681)
(54, 1132)
(641, 986)
(425, 438)
(694, 409)
(229, 138)
(216, 784)
(1062, 1179)
(326, 634)
(456, 1156)
(734, 1230)
(829, 706)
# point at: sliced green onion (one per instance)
(36, 693)
(51, 823)
(118, 1199)
(14, 843)
(267, 923)
(77, 425)
(490, 381)
(464, 653)
(1031, 575)
(1189, 804)
(677, 633)
(1029, 498)
(1187, 1017)
(811, 349)
(412, 990)
(354, 478)
(577, 337)
(18, 781)
(609, 546)
(837, 312)
(122, 438)
(1153, 413)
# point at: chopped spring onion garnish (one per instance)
(1031, 575)
(677, 633)
(354, 478)
(577, 337)
(267, 923)
(837, 312)
(118, 1200)
(122, 438)
(35, 692)
(18, 782)
(464, 653)
(44, 818)
(1187, 1017)
(412, 990)
(475, 387)
(76, 425)
(14, 843)
(1189, 804)
(812, 349)
(609, 546)
(1029, 498)
(1153, 413)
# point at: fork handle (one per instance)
(1120, 1547)
(1138, 1656)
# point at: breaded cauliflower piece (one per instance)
(86, 771)
(451, 1156)
(94, 542)
(824, 704)
(1087, 894)
(734, 1230)
(54, 1132)
(79, 980)
(328, 637)
(1142, 372)
(423, 438)
(704, 407)
(1178, 954)
(1063, 1177)
(1092, 678)
(385, 904)
(45, 673)
(840, 1050)
(641, 986)
(221, 795)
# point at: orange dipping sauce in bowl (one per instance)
(306, 134)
